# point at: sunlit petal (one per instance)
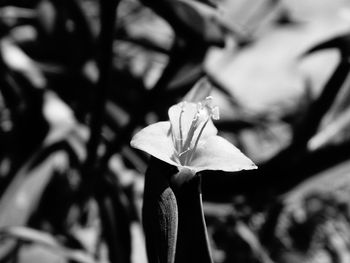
(219, 154)
(210, 130)
(156, 140)
(189, 111)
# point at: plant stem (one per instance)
(192, 240)
(159, 213)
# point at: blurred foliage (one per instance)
(79, 77)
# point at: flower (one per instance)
(189, 140)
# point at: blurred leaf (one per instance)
(314, 11)
(29, 234)
(64, 34)
(342, 43)
(16, 12)
(45, 239)
(115, 218)
(252, 240)
(22, 196)
(59, 116)
(142, 26)
(246, 19)
(332, 132)
(33, 253)
(201, 18)
(19, 62)
(278, 82)
(193, 20)
(116, 115)
(12, 15)
(187, 73)
(330, 180)
(315, 211)
(311, 120)
(199, 92)
(47, 15)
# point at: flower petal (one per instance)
(189, 111)
(156, 140)
(219, 154)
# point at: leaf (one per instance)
(199, 92)
(33, 253)
(252, 241)
(11, 16)
(45, 239)
(59, 116)
(19, 62)
(115, 218)
(187, 73)
(200, 18)
(29, 234)
(47, 15)
(24, 194)
(193, 20)
(340, 42)
(333, 131)
(278, 81)
(21, 197)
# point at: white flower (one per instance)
(189, 140)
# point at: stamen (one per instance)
(180, 127)
(183, 145)
(190, 156)
(183, 157)
(215, 113)
(208, 101)
(174, 139)
(199, 108)
(170, 132)
(190, 133)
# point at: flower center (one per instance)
(187, 144)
